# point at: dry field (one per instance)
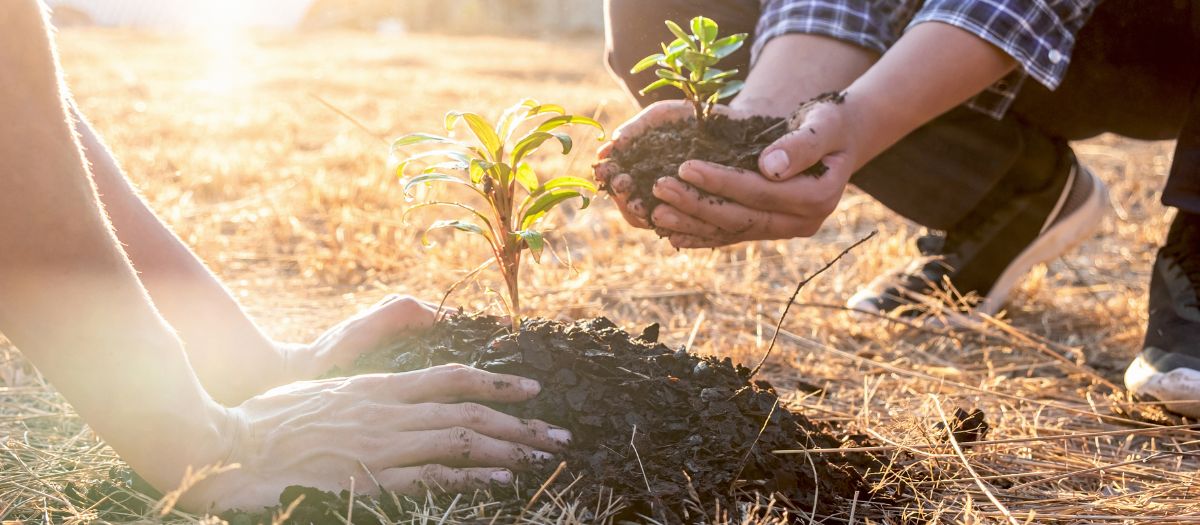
(293, 206)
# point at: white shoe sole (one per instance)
(1061, 235)
(1178, 390)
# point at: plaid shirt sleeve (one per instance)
(1039, 34)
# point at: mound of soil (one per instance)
(703, 429)
(659, 151)
(705, 432)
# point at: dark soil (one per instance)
(705, 432)
(659, 151)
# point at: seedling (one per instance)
(687, 64)
(496, 167)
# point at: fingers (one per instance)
(654, 115)
(458, 447)
(817, 136)
(454, 383)
(490, 422)
(415, 481)
(729, 216)
(746, 187)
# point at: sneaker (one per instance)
(976, 266)
(1168, 369)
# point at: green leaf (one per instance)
(726, 46)
(528, 108)
(456, 224)
(569, 182)
(534, 140)
(679, 32)
(417, 138)
(527, 178)
(458, 205)
(545, 202)
(562, 120)
(657, 84)
(478, 168)
(482, 130)
(696, 60)
(667, 74)
(730, 89)
(428, 178)
(717, 74)
(534, 241)
(647, 63)
(453, 154)
(705, 30)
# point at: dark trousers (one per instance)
(1135, 71)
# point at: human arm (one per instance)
(931, 69)
(790, 69)
(72, 303)
(233, 358)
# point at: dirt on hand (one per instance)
(659, 151)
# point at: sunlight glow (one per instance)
(221, 26)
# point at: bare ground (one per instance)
(292, 205)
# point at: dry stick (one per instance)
(795, 294)
(746, 458)
(1090, 470)
(440, 312)
(347, 116)
(639, 458)
(561, 467)
(971, 470)
(1008, 441)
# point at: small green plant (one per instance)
(687, 64)
(496, 167)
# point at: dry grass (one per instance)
(292, 205)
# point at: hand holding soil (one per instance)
(737, 184)
(404, 432)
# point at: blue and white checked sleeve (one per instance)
(1038, 34)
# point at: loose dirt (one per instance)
(659, 151)
(704, 431)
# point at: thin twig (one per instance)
(349, 117)
(795, 294)
(639, 458)
(561, 467)
(970, 470)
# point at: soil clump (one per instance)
(659, 151)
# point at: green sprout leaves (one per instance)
(687, 64)
(495, 166)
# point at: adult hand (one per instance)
(404, 433)
(368, 330)
(780, 202)
(609, 173)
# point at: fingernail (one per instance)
(663, 216)
(539, 455)
(775, 163)
(691, 175)
(664, 190)
(502, 477)
(531, 386)
(560, 435)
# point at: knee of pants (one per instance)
(634, 29)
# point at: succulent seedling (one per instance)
(687, 64)
(496, 166)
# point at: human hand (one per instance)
(609, 174)
(776, 204)
(367, 330)
(403, 433)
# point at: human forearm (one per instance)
(68, 297)
(232, 357)
(931, 69)
(794, 68)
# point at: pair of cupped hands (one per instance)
(776, 202)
